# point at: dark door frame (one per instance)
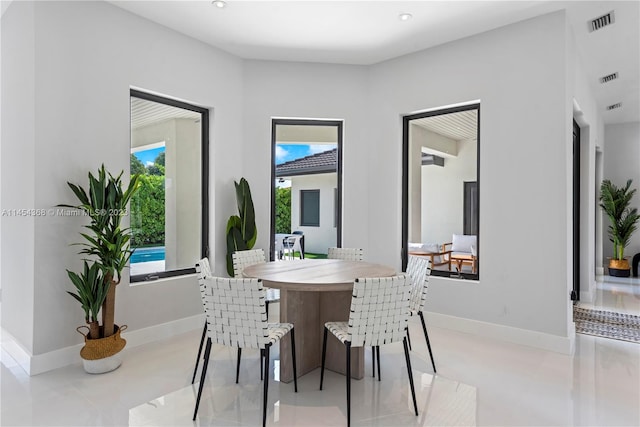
(469, 226)
(305, 122)
(575, 292)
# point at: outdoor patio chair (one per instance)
(237, 317)
(379, 314)
(349, 254)
(292, 245)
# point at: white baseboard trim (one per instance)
(34, 365)
(527, 337)
(13, 348)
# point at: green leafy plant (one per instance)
(91, 293)
(106, 242)
(241, 229)
(283, 210)
(615, 203)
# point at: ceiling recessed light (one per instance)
(405, 16)
(219, 3)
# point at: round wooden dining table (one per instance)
(313, 292)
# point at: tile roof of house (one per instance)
(324, 162)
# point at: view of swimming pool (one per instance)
(147, 254)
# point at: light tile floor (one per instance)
(480, 381)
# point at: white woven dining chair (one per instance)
(419, 270)
(378, 315)
(236, 317)
(203, 269)
(349, 254)
(242, 260)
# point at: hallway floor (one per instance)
(619, 294)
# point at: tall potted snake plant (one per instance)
(615, 202)
(107, 251)
(241, 229)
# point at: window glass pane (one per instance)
(166, 213)
(310, 208)
(442, 189)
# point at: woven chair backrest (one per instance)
(348, 254)
(235, 310)
(419, 270)
(203, 268)
(379, 310)
(243, 259)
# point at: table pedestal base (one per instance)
(309, 311)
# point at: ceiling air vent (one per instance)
(602, 21)
(607, 79)
(614, 106)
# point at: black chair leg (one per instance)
(408, 338)
(348, 346)
(207, 352)
(266, 307)
(410, 374)
(426, 337)
(238, 365)
(373, 361)
(378, 351)
(204, 334)
(324, 353)
(293, 356)
(266, 385)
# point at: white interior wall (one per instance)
(518, 74)
(443, 194)
(81, 98)
(18, 169)
(316, 239)
(622, 162)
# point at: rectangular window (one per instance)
(310, 208)
(441, 189)
(169, 212)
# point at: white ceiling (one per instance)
(367, 32)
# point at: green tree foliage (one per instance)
(148, 205)
(283, 210)
(159, 160)
(155, 169)
(137, 168)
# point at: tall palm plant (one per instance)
(615, 203)
(107, 243)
